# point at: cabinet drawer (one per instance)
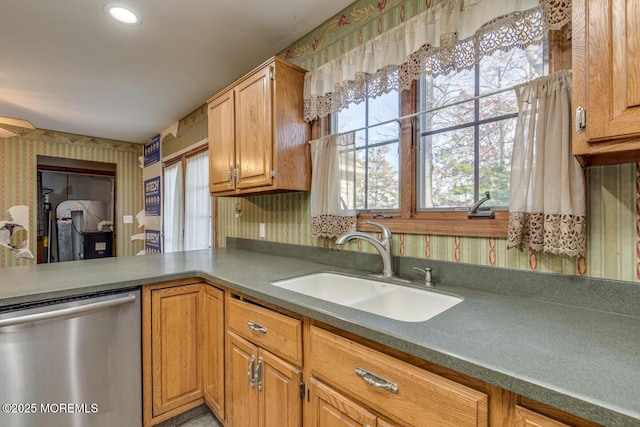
(417, 397)
(273, 331)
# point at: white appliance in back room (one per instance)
(83, 231)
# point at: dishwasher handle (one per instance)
(66, 311)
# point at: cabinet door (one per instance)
(213, 354)
(221, 143)
(392, 387)
(331, 409)
(528, 418)
(176, 377)
(279, 392)
(254, 130)
(242, 397)
(606, 59)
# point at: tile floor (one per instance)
(205, 420)
(200, 416)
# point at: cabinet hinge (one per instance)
(581, 119)
(273, 173)
(302, 389)
(272, 73)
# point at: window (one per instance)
(187, 203)
(466, 138)
(377, 150)
(456, 146)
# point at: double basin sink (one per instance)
(383, 298)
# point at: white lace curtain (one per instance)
(450, 35)
(547, 209)
(333, 185)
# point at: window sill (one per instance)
(441, 223)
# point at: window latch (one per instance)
(382, 216)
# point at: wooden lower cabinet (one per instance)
(183, 349)
(397, 390)
(263, 390)
(176, 317)
(330, 408)
(213, 354)
(528, 418)
(264, 374)
(249, 365)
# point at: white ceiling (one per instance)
(67, 66)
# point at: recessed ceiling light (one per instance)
(123, 14)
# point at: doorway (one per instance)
(76, 208)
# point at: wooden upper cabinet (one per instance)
(606, 80)
(254, 146)
(221, 143)
(257, 136)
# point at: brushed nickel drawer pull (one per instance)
(256, 327)
(259, 374)
(376, 381)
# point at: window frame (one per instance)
(439, 222)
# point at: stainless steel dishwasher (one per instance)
(72, 363)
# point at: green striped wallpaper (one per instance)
(18, 179)
(612, 198)
(612, 236)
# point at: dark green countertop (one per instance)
(578, 359)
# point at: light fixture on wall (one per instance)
(6, 133)
(123, 14)
(16, 122)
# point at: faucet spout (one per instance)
(384, 246)
(475, 211)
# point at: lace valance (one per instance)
(451, 36)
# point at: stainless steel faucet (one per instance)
(383, 246)
(476, 212)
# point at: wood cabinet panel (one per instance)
(282, 335)
(221, 143)
(606, 80)
(280, 400)
(242, 401)
(183, 349)
(527, 418)
(177, 378)
(254, 127)
(213, 354)
(263, 390)
(422, 398)
(331, 409)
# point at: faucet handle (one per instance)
(427, 275)
(386, 233)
